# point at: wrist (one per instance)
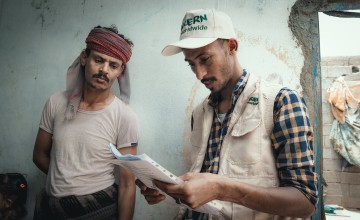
(218, 187)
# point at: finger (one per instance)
(166, 187)
(150, 192)
(178, 201)
(140, 184)
(159, 184)
(169, 188)
(186, 176)
(181, 201)
(152, 200)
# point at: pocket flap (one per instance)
(245, 126)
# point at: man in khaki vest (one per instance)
(251, 140)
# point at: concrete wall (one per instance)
(343, 185)
(40, 38)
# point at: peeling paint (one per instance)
(276, 78)
(283, 56)
(303, 23)
(276, 50)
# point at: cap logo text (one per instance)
(192, 21)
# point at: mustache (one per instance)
(208, 79)
(101, 75)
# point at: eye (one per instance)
(204, 60)
(98, 60)
(191, 64)
(114, 66)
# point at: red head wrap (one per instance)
(106, 42)
(109, 43)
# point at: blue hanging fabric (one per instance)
(346, 137)
(345, 131)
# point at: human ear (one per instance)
(83, 57)
(233, 45)
(122, 71)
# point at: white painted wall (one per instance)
(39, 39)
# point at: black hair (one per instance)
(14, 186)
(114, 29)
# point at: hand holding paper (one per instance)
(147, 170)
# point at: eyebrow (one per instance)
(103, 58)
(196, 56)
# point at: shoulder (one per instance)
(289, 101)
(58, 97)
(124, 109)
(288, 96)
(200, 108)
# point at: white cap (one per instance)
(199, 28)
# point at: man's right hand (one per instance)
(152, 196)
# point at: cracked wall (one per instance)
(39, 39)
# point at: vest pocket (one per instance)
(244, 145)
(245, 126)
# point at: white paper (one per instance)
(147, 170)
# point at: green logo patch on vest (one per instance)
(253, 100)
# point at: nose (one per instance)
(200, 71)
(105, 67)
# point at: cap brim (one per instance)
(187, 43)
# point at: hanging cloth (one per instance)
(344, 98)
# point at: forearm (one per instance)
(42, 149)
(127, 188)
(126, 201)
(269, 200)
(42, 162)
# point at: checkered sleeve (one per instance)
(292, 140)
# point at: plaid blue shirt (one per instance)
(219, 129)
(291, 138)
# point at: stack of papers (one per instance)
(147, 170)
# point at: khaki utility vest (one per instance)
(246, 153)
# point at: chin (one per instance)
(214, 90)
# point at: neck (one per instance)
(93, 100)
(227, 92)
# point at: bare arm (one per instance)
(42, 148)
(200, 188)
(127, 188)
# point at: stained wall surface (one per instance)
(39, 39)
